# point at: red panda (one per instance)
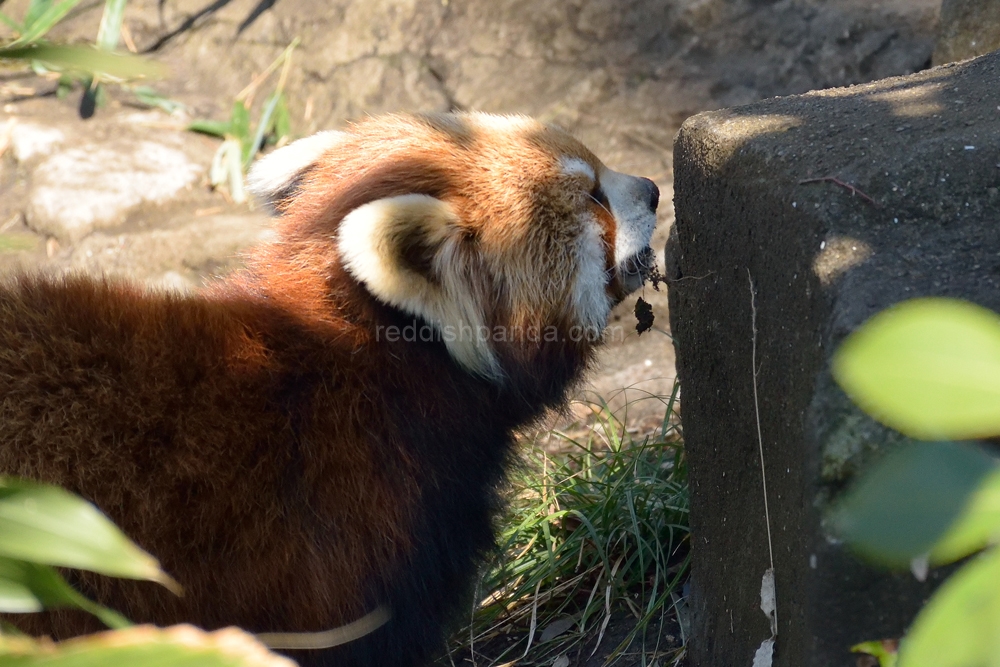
(325, 432)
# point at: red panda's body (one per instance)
(306, 441)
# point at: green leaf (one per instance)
(41, 17)
(227, 169)
(35, 9)
(111, 24)
(239, 128)
(959, 625)
(899, 508)
(47, 525)
(929, 368)
(234, 169)
(64, 87)
(85, 59)
(262, 128)
(30, 587)
(148, 96)
(144, 646)
(11, 23)
(884, 651)
(977, 526)
(216, 128)
(282, 120)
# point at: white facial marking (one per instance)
(574, 166)
(590, 299)
(627, 197)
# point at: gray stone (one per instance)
(823, 258)
(29, 141)
(122, 173)
(968, 28)
(95, 186)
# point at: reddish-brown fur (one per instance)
(291, 470)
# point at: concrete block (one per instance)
(765, 191)
(967, 28)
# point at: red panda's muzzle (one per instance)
(630, 274)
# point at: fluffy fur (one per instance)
(292, 454)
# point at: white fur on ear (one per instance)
(273, 177)
(374, 240)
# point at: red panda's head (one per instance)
(505, 235)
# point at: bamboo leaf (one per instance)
(11, 23)
(35, 9)
(144, 646)
(239, 125)
(30, 587)
(42, 16)
(282, 120)
(47, 525)
(885, 651)
(111, 24)
(85, 59)
(263, 126)
(215, 128)
(148, 96)
(234, 169)
(227, 169)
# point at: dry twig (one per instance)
(847, 186)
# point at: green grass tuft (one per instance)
(593, 552)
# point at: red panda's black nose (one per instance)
(653, 193)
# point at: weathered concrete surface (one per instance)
(823, 260)
(967, 28)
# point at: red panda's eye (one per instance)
(597, 194)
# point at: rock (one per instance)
(756, 199)
(95, 186)
(108, 186)
(29, 140)
(968, 28)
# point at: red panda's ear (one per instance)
(407, 252)
(274, 179)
